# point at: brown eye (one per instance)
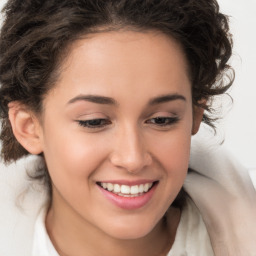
(94, 123)
(163, 121)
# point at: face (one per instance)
(116, 131)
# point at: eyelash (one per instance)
(163, 121)
(101, 122)
(94, 123)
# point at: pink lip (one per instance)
(127, 182)
(129, 203)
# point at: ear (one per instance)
(198, 113)
(26, 127)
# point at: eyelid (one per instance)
(92, 115)
(173, 119)
(103, 122)
(162, 120)
(162, 114)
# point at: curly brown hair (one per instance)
(36, 34)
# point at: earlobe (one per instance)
(25, 127)
(198, 113)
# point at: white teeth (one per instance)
(110, 186)
(117, 188)
(146, 187)
(125, 190)
(134, 190)
(141, 188)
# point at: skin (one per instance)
(135, 70)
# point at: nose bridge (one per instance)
(130, 151)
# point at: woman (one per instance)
(108, 94)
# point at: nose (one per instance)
(130, 151)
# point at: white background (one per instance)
(240, 122)
(238, 127)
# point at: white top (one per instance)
(191, 238)
(42, 245)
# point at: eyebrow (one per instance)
(110, 101)
(94, 99)
(166, 98)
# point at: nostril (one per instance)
(129, 150)
(133, 163)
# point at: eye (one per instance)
(162, 121)
(94, 123)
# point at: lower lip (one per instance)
(129, 203)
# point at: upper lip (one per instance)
(127, 182)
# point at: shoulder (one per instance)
(222, 190)
(191, 237)
(20, 202)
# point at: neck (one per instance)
(70, 233)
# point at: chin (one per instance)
(130, 234)
(130, 230)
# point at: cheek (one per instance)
(72, 163)
(176, 155)
(172, 152)
(72, 157)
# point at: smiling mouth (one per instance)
(126, 190)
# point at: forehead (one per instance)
(131, 62)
